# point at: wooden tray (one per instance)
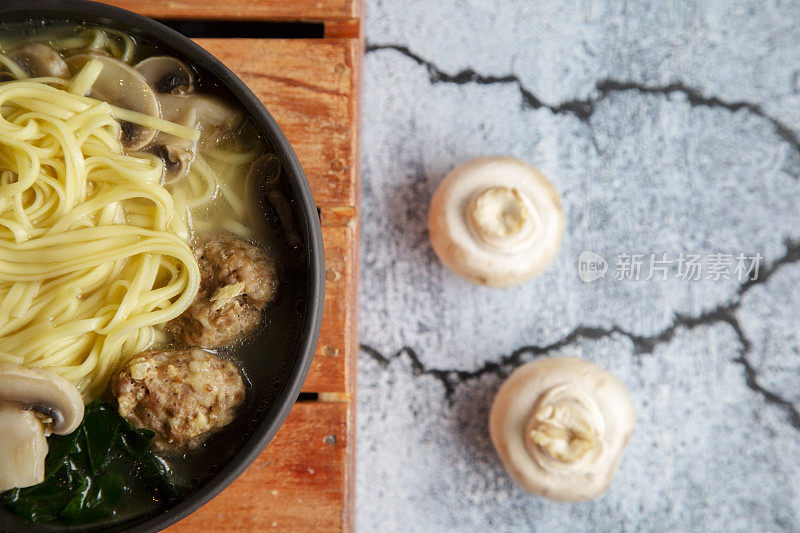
(304, 480)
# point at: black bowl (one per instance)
(275, 365)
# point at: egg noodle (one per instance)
(93, 253)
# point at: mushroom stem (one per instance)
(502, 217)
(24, 448)
(567, 426)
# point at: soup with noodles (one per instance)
(131, 270)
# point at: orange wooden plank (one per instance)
(310, 10)
(309, 86)
(343, 28)
(330, 371)
(299, 483)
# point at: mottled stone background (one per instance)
(667, 127)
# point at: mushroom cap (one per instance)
(589, 399)
(121, 85)
(39, 60)
(212, 116)
(167, 74)
(24, 448)
(496, 221)
(44, 392)
(176, 158)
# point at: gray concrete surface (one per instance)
(668, 128)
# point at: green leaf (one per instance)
(44, 501)
(100, 428)
(82, 483)
(136, 441)
(158, 477)
(59, 446)
(110, 490)
(97, 501)
(9, 496)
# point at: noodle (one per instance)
(84, 80)
(98, 40)
(93, 253)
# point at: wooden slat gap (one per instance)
(308, 397)
(316, 10)
(214, 28)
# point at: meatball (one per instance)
(237, 279)
(182, 395)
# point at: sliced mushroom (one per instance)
(33, 404)
(24, 448)
(560, 426)
(45, 392)
(121, 85)
(496, 221)
(264, 195)
(262, 177)
(214, 118)
(176, 157)
(167, 74)
(39, 60)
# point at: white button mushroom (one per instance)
(33, 404)
(496, 221)
(560, 426)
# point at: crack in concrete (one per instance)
(643, 344)
(697, 99)
(583, 109)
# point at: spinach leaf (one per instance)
(158, 478)
(59, 446)
(135, 441)
(100, 428)
(84, 478)
(97, 501)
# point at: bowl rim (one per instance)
(310, 223)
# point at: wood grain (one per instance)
(309, 86)
(297, 484)
(307, 10)
(329, 370)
